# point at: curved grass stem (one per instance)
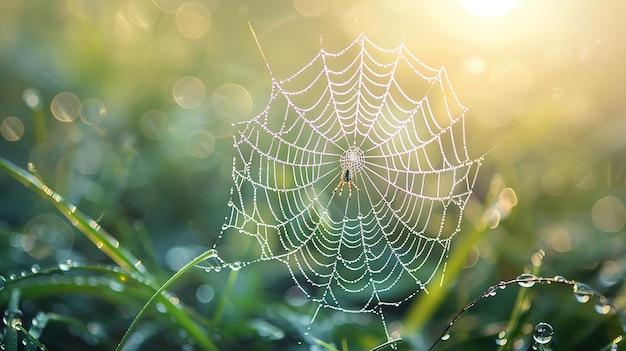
(102, 239)
(201, 337)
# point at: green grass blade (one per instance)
(104, 241)
(89, 227)
(420, 312)
(221, 306)
(32, 339)
(200, 336)
(10, 337)
(325, 344)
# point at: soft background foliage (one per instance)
(125, 108)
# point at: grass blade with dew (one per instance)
(13, 317)
(102, 239)
(522, 303)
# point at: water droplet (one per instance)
(501, 341)
(2, 281)
(211, 253)
(359, 216)
(161, 307)
(65, 266)
(526, 280)
(217, 268)
(603, 307)
(116, 286)
(235, 266)
(559, 278)
(583, 292)
(35, 268)
(224, 226)
(543, 333)
(13, 318)
(445, 336)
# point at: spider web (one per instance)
(396, 126)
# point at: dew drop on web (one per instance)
(583, 292)
(526, 280)
(602, 306)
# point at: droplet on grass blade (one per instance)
(65, 266)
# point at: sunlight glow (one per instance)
(489, 8)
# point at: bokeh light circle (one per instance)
(189, 92)
(32, 98)
(88, 157)
(205, 293)
(232, 102)
(88, 10)
(154, 124)
(608, 214)
(168, 6)
(475, 65)
(132, 22)
(65, 107)
(200, 144)
(310, 8)
(12, 129)
(193, 20)
(92, 111)
(47, 236)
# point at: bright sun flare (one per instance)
(490, 8)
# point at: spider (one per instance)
(347, 177)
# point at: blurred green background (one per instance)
(125, 108)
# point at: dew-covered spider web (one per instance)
(355, 176)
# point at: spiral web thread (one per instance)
(397, 127)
